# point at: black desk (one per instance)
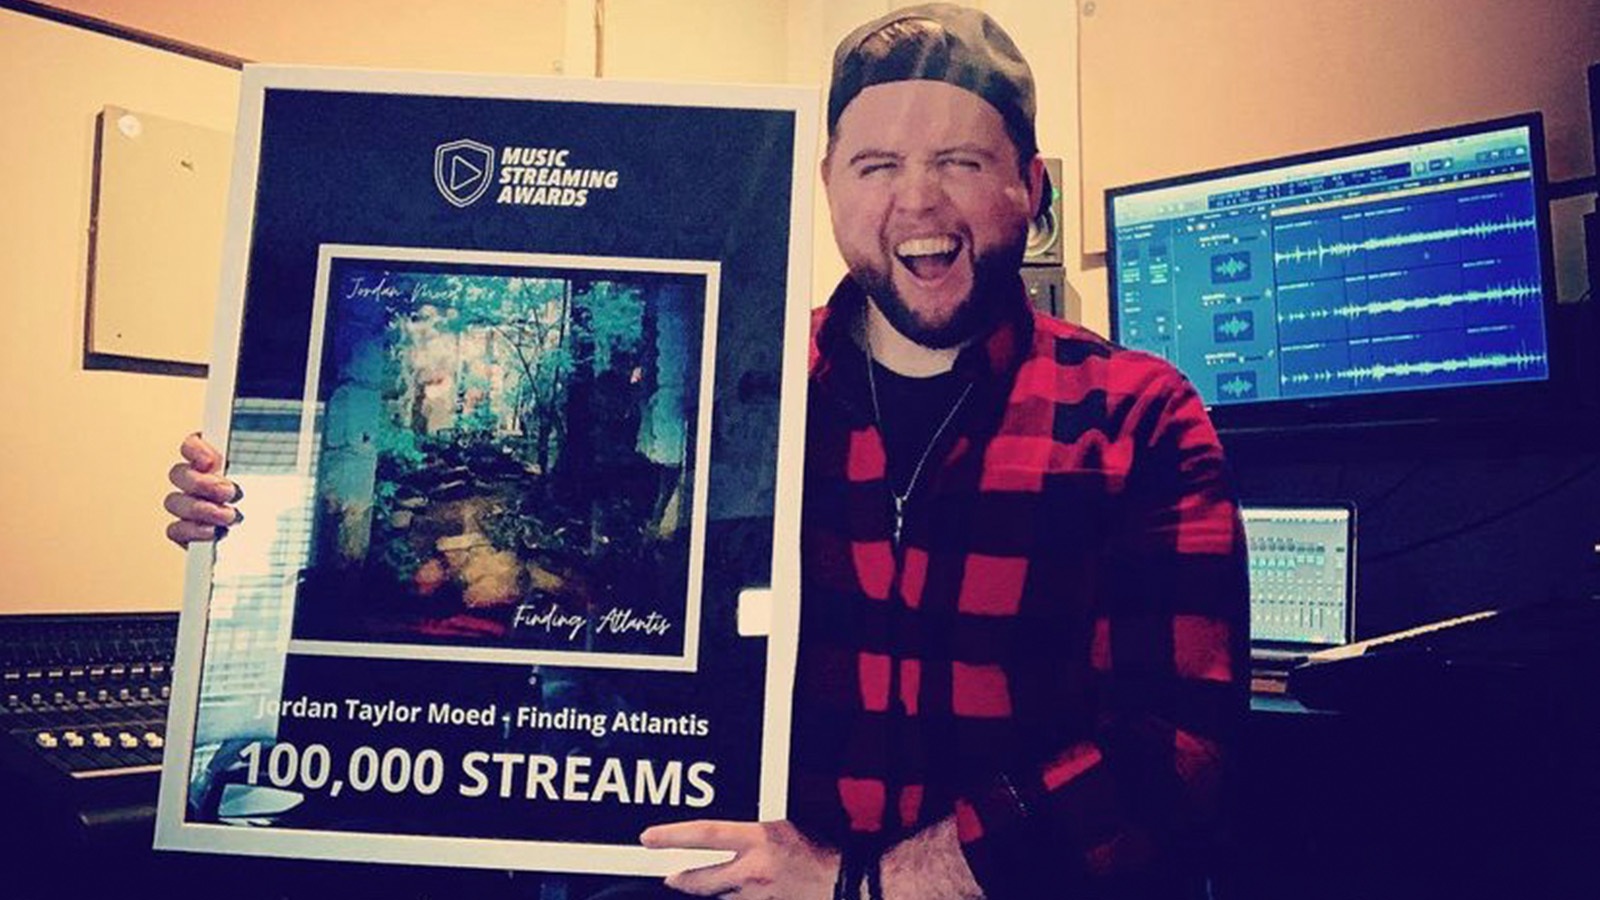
(1488, 797)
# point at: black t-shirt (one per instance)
(912, 409)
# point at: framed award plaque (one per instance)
(512, 374)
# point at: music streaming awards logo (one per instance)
(464, 169)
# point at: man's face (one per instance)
(929, 206)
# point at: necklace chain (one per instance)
(900, 498)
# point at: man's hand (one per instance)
(203, 500)
(772, 860)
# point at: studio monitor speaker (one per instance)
(1048, 289)
(1046, 237)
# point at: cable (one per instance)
(1490, 519)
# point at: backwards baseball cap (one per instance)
(940, 42)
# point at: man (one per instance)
(1023, 608)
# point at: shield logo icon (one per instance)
(462, 171)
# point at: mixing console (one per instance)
(86, 695)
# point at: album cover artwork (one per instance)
(508, 452)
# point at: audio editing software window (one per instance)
(1300, 577)
(1412, 267)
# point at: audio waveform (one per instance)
(1233, 326)
(1514, 293)
(1381, 371)
(1237, 386)
(1321, 251)
(1230, 267)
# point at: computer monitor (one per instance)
(1302, 575)
(1408, 279)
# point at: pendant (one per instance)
(899, 515)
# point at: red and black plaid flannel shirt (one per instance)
(1056, 653)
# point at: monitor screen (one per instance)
(1403, 279)
(1302, 573)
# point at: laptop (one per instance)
(1302, 584)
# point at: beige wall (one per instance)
(85, 452)
(1175, 86)
(738, 41)
(524, 37)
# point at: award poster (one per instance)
(511, 372)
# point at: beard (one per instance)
(994, 274)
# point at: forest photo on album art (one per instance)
(508, 457)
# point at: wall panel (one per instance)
(1175, 86)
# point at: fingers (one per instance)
(200, 454)
(202, 501)
(215, 488)
(198, 520)
(185, 533)
(703, 834)
(199, 475)
(706, 881)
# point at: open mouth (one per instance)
(928, 258)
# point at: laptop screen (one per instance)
(1302, 574)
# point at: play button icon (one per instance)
(462, 170)
(462, 174)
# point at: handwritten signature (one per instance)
(616, 620)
